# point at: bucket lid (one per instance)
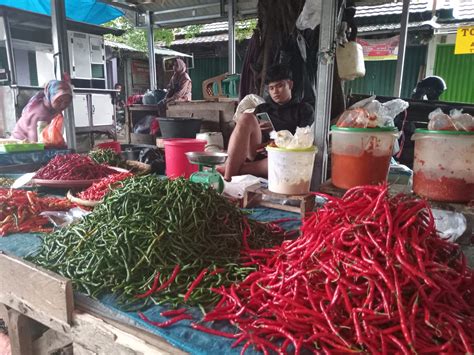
(452, 133)
(364, 130)
(181, 141)
(278, 149)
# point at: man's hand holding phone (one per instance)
(264, 121)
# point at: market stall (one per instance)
(165, 265)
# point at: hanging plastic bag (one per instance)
(52, 134)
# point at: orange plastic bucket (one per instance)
(177, 163)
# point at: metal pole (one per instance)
(231, 15)
(61, 50)
(397, 89)
(327, 31)
(9, 49)
(151, 49)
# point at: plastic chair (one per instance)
(221, 86)
(212, 87)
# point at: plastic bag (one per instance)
(370, 113)
(439, 121)
(52, 134)
(310, 16)
(65, 218)
(462, 121)
(302, 139)
(356, 118)
(247, 105)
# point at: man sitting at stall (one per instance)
(285, 113)
(43, 107)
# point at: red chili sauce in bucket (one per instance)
(446, 189)
(355, 170)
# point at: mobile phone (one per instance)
(264, 117)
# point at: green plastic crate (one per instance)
(21, 147)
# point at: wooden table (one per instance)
(39, 309)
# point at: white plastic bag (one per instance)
(310, 16)
(247, 105)
(302, 139)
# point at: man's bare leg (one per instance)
(242, 144)
(256, 168)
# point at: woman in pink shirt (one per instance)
(44, 106)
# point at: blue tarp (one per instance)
(89, 11)
(181, 334)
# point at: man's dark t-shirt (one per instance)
(287, 116)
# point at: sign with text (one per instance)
(464, 40)
(380, 48)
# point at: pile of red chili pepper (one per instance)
(99, 189)
(73, 167)
(19, 211)
(368, 274)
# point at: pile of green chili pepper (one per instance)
(147, 229)
(106, 156)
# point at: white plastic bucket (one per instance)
(443, 169)
(290, 170)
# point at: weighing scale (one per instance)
(208, 177)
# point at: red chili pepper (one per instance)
(170, 280)
(194, 284)
(166, 323)
(214, 331)
(173, 312)
(152, 289)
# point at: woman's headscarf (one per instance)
(179, 73)
(40, 108)
(55, 89)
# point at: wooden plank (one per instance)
(96, 336)
(50, 342)
(253, 196)
(36, 292)
(19, 331)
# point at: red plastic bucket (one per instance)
(114, 145)
(177, 163)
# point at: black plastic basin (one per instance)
(179, 127)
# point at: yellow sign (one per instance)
(464, 41)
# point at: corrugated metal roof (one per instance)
(158, 50)
(390, 26)
(215, 27)
(204, 39)
(392, 8)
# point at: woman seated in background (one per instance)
(180, 86)
(43, 107)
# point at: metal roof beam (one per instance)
(187, 8)
(189, 19)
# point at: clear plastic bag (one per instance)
(302, 139)
(462, 121)
(439, 121)
(370, 113)
(65, 218)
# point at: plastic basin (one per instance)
(179, 127)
